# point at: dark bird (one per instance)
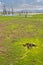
(29, 45)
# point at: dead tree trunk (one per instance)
(4, 10)
(12, 12)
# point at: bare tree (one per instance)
(26, 13)
(4, 9)
(12, 11)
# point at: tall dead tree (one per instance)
(26, 13)
(4, 10)
(12, 11)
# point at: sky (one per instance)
(20, 2)
(23, 3)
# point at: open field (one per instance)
(16, 31)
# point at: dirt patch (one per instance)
(2, 50)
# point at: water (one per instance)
(9, 15)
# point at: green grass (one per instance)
(15, 31)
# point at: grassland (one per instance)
(16, 31)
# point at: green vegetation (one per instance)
(16, 31)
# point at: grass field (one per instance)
(16, 31)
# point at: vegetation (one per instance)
(16, 31)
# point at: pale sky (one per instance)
(23, 3)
